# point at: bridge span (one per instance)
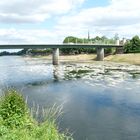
(56, 47)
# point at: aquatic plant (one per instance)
(77, 73)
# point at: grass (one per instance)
(129, 58)
(71, 58)
(132, 58)
(16, 122)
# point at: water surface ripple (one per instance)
(101, 100)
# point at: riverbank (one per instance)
(18, 123)
(128, 58)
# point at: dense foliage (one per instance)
(96, 40)
(13, 110)
(133, 45)
(28, 52)
(17, 124)
(22, 52)
(39, 51)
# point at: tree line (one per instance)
(96, 40)
(133, 45)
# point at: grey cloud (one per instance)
(21, 7)
(107, 20)
(18, 11)
(13, 18)
(6, 39)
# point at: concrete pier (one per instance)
(55, 56)
(100, 54)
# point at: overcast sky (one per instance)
(50, 21)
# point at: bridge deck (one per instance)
(42, 46)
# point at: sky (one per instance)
(50, 21)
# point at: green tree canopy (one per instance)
(133, 45)
(96, 40)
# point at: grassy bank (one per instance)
(70, 58)
(128, 58)
(16, 122)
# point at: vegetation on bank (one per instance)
(133, 45)
(22, 52)
(131, 58)
(16, 122)
(96, 40)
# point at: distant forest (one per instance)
(22, 52)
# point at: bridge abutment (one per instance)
(100, 54)
(55, 56)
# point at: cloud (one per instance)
(34, 36)
(25, 11)
(116, 17)
(120, 16)
(24, 36)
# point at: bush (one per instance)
(133, 45)
(13, 110)
(17, 124)
(110, 50)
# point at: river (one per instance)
(101, 100)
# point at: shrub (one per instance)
(13, 110)
(133, 45)
(110, 50)
(15, 121)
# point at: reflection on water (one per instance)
(56, 73)
(101, 101)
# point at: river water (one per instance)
(101, 100)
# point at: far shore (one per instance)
(133, 58)
(127, 58)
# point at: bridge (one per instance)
(55, 47)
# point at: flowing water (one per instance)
(101, 100)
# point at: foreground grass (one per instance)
(129, 58)
(17, 124)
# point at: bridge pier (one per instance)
(55, 56)
(100, 54)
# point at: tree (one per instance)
(96, 40)
(133, 45)
(116, 37)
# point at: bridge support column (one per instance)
(55, 56)
(100, 54)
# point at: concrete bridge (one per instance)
(55, 48)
